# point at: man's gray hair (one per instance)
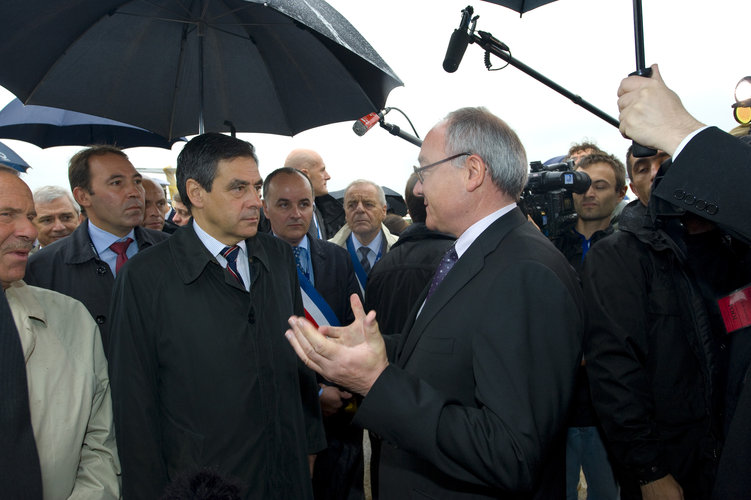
(48, 194)
(480, 132)
(379, 189)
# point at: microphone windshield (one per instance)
(455, 50)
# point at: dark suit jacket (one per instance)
(334, 277)
(202, 375)
(711, 178)
(473, 405)
(72, 267)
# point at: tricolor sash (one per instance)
(317, 311)
(360, 274)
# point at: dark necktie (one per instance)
(301, 257)
(364, 262)
(120, 247)
(20, 475)
(447, 262)
(230, 253)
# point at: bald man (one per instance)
(328, 213)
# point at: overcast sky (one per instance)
(587, 46)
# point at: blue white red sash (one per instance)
(317, 311)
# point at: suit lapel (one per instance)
(465, 269)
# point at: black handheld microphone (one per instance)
(458, 42)
(368, 121)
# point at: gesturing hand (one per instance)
(352, 356)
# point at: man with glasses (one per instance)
(471, 400)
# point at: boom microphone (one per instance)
(368, 121)
(458, 42)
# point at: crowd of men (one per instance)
(220, 346)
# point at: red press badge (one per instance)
(736, 309)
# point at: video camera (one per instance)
(547, 195)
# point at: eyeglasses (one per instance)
(420, 170)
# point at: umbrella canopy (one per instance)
(46, 127)
(521, 6)
(273, 66)
(10, 158)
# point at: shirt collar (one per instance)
(102, 239)
(472, 232)
(213, 245)
(374, 245)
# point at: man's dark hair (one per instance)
(203, 484)
(415, 204)
(618, 169)
(284, 170)
(79, 171)
(201, 155)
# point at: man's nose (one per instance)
(26, 229)
(57, 224)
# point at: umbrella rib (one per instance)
(180, 60)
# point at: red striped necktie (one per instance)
(120, 248)
(230, 253)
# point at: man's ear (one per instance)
(195, 192)
(265, 206)
(622, 194)
(476, 172)
(82, 196)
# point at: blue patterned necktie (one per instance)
(301, 257)
(364, 262)
(230, 253)
(447, 262)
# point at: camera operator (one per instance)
(594, 207)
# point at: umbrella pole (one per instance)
(639, 39)
(495, 47)
(201, 32)
(637, 149)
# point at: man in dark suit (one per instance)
(472, 401)
(708, 177)
(327, 279)
(84, 265)
(204, 378)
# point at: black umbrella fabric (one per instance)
(272, 66)
(10, 158)
(46, 127)
(521, 6)
(394, 201)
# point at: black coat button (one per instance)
(689, 199)
(100, 320)
(678, 194)
(701, 204)
(712, 209)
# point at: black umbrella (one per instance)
(521, 6)
(10, 158)
(394, 201)
(273, 66)
(46, 127)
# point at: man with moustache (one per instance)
(58, 214)
(206, 379)
(84, 265)
(66, 371)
